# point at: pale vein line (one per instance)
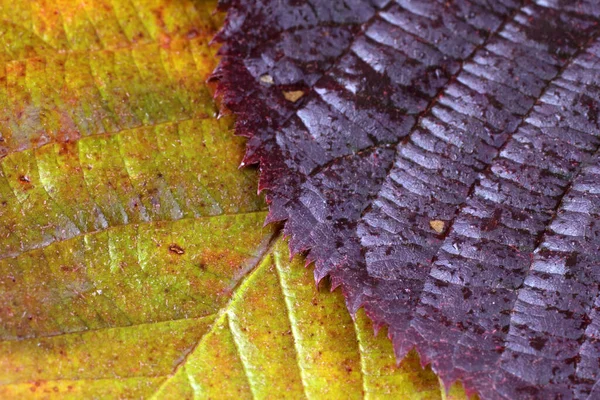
(114, 227)
(223, 313)
(293, 323)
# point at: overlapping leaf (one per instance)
(133, 263)
(439, 160)
(125, 223)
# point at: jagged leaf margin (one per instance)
(436, 159)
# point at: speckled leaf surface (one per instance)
(277, 337)
(133, 259)
(439, 161)
(281, 338)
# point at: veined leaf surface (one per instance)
(133, 261)
(439, 161)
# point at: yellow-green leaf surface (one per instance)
(133, 258)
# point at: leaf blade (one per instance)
(126, 226)
(394, 179)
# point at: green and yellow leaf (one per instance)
(133, 259)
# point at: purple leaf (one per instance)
(439, 160)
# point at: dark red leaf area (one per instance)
(439, 160)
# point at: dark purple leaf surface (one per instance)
(439, 160)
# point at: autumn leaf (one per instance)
(279, 338)
(441, 165)
(133, 258)
(276, 337)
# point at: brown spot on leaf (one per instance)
(192, 33)
(175, 248)
(538, 343)
(489, 224)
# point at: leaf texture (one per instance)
(133, 261)
(280, 338)
(438, 160)
(276, 337)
